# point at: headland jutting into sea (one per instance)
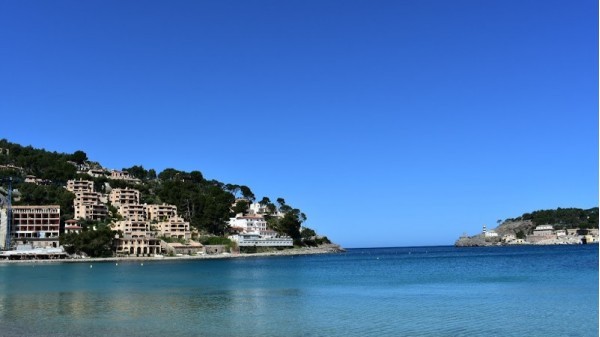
(65, 206)
(563, 226)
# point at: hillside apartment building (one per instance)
(36, 225)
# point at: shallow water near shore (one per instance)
(424, 291)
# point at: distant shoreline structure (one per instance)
(326, 249)
(526, 233)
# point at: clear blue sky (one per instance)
(389, 123)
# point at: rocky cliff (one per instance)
(507, 227)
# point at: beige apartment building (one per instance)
(124, 196)
(96, 173)
(86, 198)
(174, 228)
(133, 212)
(80, 186)
(161, 212)
(123, 175)
(141, 245)
(91, 212)
(88, 206)
(143, 224)
(135, 228)
(119, 175)
(137, 239)
(39, 225)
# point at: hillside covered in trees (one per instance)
(562, 218)
(38, 177)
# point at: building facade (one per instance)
(543, 230)
(258, 240)
(127, 245)
(248, 223)
(174, 228)
(160, 212)
(36, 225)
(91, 211)
(124, 196)
(80, 185)
(133, 211)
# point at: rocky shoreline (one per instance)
(323, 249)
(478, 241)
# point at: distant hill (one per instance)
(560, 218)
(563, 218)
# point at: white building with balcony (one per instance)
(543, 230)
(248, 223)
(257, 240)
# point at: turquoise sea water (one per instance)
(426, 291)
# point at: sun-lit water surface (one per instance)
(427, 291)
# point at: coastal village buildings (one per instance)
(98, 172)
(124, 196)
(260, 209)
(123, 175)
(544, 233)
(133, 228)
(516, 233)
(157, 228)
(12, 167)
(144, 226)
(36, 225)
(174, 228)
(252, 230)
(133, 211)
(37, 181)
(87, 204)
(80, 185)
(544, 230)
(160, 212)
(137, 245)
(258, 240)
(547, 235)
(256, 208)
(93, 212)
(248, 223)
(71, 226)
(141, 227)
(561, 232)
(95, 173)
(489, 233)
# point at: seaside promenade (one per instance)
(325, 249)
